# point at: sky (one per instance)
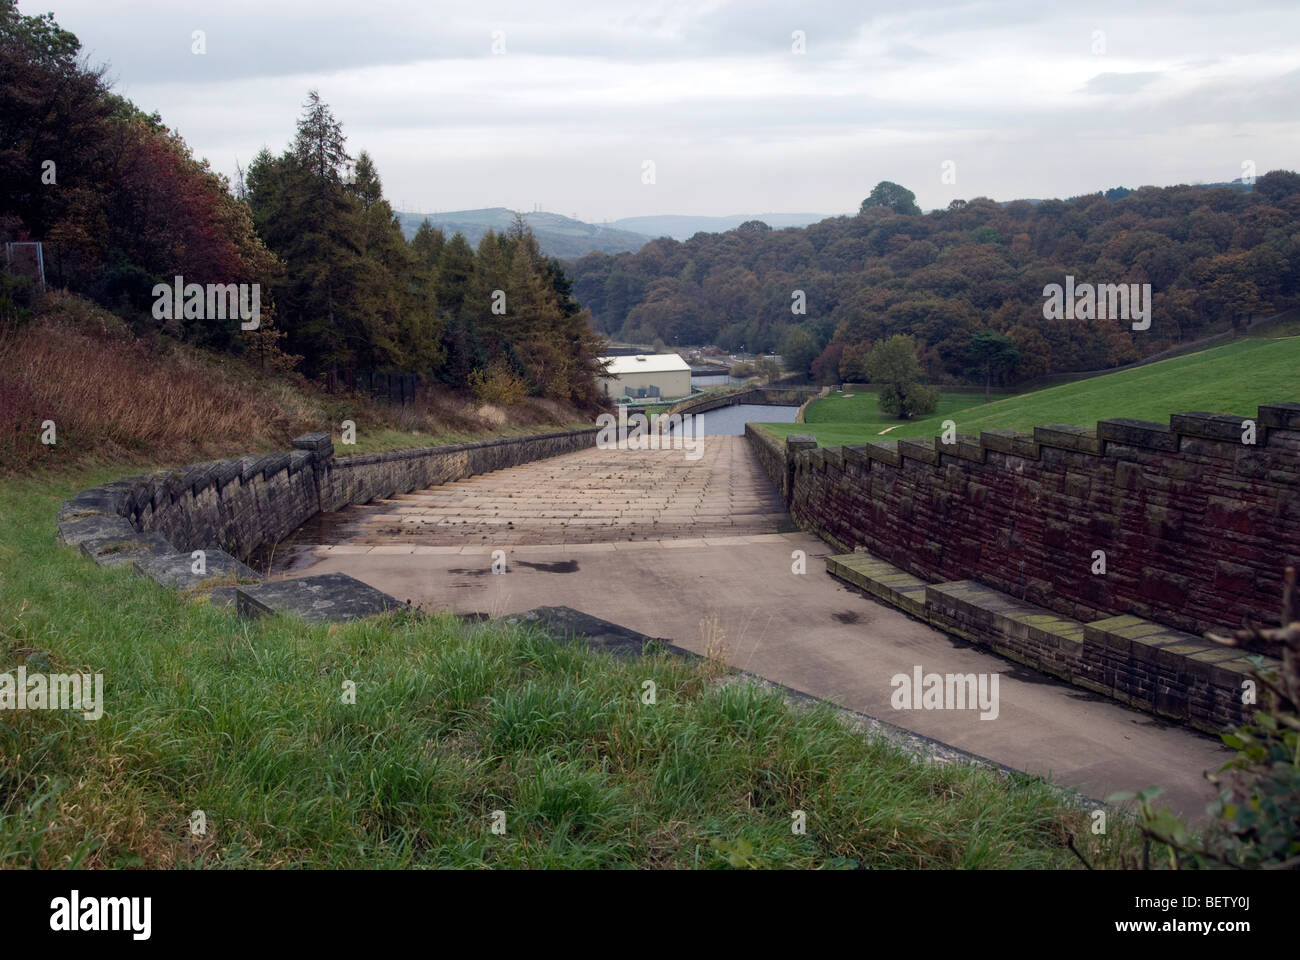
(741, 107)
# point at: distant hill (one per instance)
(559, 236)
(684, 227)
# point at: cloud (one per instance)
(1110, 83)
(1010, 90)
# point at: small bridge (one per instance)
(770, 395)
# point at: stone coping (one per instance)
(1109, 438)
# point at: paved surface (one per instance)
(711, 579)
(585, 497)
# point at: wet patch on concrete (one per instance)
(558, 566)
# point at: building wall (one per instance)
(671, 384)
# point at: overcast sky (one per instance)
(1027, 98)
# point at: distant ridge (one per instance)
(558, 236)
(681, 227)
(568, 239)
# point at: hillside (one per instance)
(559, 236)
(1203, 259)
(1235, 378)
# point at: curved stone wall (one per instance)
(229, 508)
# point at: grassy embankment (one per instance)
(1235, 378)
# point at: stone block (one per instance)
(1279, 416)
(93, 527)
(880, 579)
(1066, 437)
(1000, 440)
(1208, 426)
(176, 569)
(114, 551)
(917, 449)
(886, 451)
(325, 597)
(1137, 433)
(318, 444)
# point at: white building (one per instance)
(647, 376)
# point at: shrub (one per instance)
(497, 384)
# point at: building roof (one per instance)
(646, 363)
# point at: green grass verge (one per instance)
(245, 721)
(1235, 378)
(385, 439)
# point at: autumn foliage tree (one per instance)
(1216, 258)
(117, 199)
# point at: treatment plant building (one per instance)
(647, 376)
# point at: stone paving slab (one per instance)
(590, 495)
(177, 569)
(328, 596)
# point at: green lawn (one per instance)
(1235, 378)
(451, 722)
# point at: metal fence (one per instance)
(395, 388)
(28, 258)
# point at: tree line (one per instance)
(120, 205)
(966, 282)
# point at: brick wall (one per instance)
(1196, 525)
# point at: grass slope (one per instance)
(1235, 378)
(245, 721)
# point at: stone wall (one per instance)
(1196, 527)
(239, 505)
(373, 476)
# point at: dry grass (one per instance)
(115, 397)
(112, 395)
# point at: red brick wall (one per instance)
(1196, 525)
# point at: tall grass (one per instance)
(115, 397)
(452, 723)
